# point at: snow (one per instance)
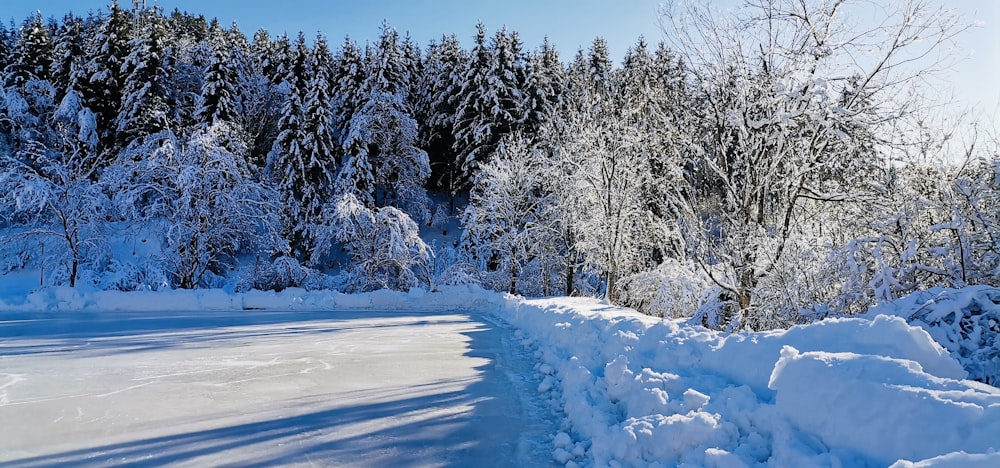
(470, 377)
(265, 388)
(640, 391)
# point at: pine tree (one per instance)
(412, 63)
(304, 179)
(101, 76)
(146, 101)
(281, 62)
(218, 90)
(493, 98)
(32, 54)
(319, 145)
(545, 86)
(441, 84)
(261, 100)
(384, 131)
(599, 66)
(471, 125)
(508, 78)
(6, 46)
(348, 77)
(69, 55)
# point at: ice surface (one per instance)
(207, 388)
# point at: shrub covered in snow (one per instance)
(673, 289)
(965, 321)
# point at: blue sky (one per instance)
(569, 24)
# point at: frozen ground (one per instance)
(467, 377)
(255, 388)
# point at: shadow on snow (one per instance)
(494, 430)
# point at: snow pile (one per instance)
(965, 321)
(638, 391)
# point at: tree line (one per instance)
(756, 169)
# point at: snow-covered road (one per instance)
(262, 388)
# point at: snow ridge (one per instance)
(640, 391)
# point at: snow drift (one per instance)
(639, 391)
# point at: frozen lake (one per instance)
(269, 388)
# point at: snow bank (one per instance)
(884, 408)
(71, 299)
(640, 391)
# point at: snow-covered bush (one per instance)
(451, 266)
(674, 289)
(282, 273)
(965, 321)
(204, 198)
(144, 274)
(384, 245)
(938, 226)
(47, 192)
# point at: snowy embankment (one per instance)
(291, 299)
(640, 391)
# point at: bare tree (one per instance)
(799, 102)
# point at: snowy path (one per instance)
(267, 388)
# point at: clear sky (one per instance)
(569, 24)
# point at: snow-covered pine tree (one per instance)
(187, 29)
(318, 146)
(444, 67)
(239, 47)
(218, 88)
(101, 77)
(386, 132)
(281, 60)
(147, 99)
(413, 64)
(68, 55)
(599, 64)
(261, 100)
(348, 77)
(508, 79)
(6, 45)
(32, 55)
(287, 164)
(473, 114)
(642, 93)
(545, 86)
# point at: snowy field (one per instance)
(468, 378)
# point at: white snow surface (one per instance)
(470, 378)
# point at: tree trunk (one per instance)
(74, 266)
(609, 295)
(513, 280)
(570, 275)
